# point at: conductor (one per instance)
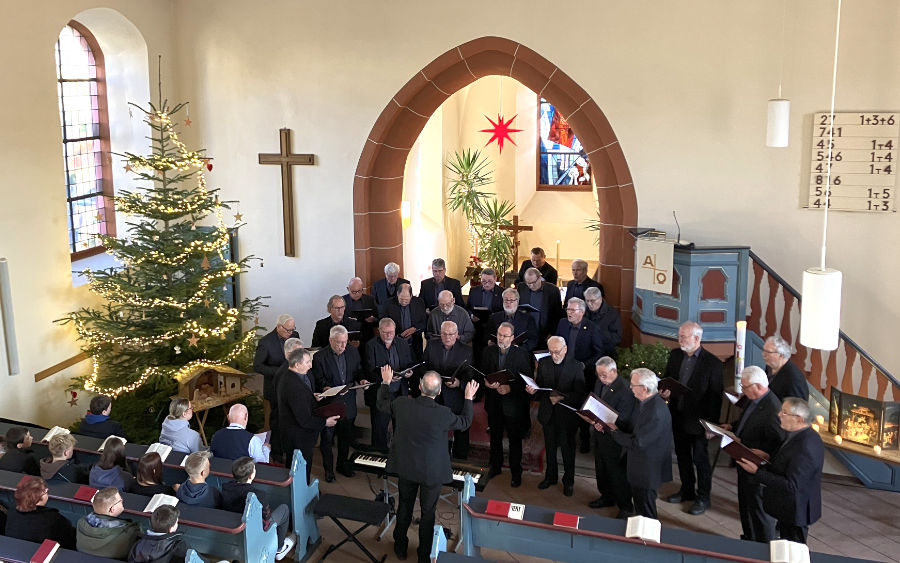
(419, 454)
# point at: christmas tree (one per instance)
(169, 307)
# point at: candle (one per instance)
(838, 439)
(557, 256)
(877, 450)
(740, 334)
(820, 419)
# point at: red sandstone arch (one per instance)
(378, 183)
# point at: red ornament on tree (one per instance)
(209, 166)
(500, 131)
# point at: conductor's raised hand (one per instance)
(387, 374)
(471, 388)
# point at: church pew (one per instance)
(597, 538)
(275, 481)
(20, 551)
(215, 532)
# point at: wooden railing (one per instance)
(775, 309)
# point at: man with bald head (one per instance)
(361, 307)
(701, 372)
(565, 376)
(235, 441)
(419, 455)
(448, 310)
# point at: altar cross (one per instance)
(515, 229)
(286, 160)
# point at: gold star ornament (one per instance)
(193, 340)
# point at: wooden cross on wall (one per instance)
(287, 160)
(515, 229)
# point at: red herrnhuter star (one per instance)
(500, 131)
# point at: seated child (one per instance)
(195, 490)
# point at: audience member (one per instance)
(111, 470)
(19, 457)
(31, 520)
(176, 429)
(195, 490)
(162, 543)
(97, 423)
(149, 480)
(236, 441)
(60, 465)
(102, 532)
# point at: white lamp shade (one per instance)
(778, 123)
(820, 311)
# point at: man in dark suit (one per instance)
(361, 307)
(647, 442)
(386, 350)
(580, 281)
(521, 320)
(269, 357)
(483, 301)
(433, 286)
(700, 371)
(538, 261)
(386, 288)
(793, 476)
(507, 405)
(336, 309)
(758, 428)
(786, 378)
(408, 313)
(277, 453)
(605, 318)
(299, 426)
(419, 455)
(452, 359)
(335, 365)
(565, 376)
(582, 343)
(609, 461)
(544, 297)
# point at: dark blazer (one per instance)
(522, 323)
(619, 397)
(793, 480)
(419, 450)
(762, 429)
(647, 440)
(550, 308)
(426, 292)
(323, 327)
(789, 382)
(377, 356)
(365, 301)
(515, 404)
(325, 374)
(476, 299)
(570, 383)
(574, 289)
(103, 429)
(298, 426)
(705, 401)
(588, 345)
(19, 460)
(609, 325)
(417, 316)
(434, 360)
(269, 357)
(548, 272)
(40, 524)
(380, 293)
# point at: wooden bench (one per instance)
(220, 533)
(597, 538)
(15, 550)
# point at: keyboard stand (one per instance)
(391, 517)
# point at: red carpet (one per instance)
(480, 442)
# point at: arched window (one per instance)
(562, 163)
(85, 135)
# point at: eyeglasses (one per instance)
(782, 413)
(764, 351)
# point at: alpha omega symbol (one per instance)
(659, 275)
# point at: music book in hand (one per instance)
(103, 445)
(784, 551)
(731, 444)
(503, 377)
(45, 553)
(332, 391)
(55, 431)
(538, 354)
(596, 410)
(532, 383)
(529, 308)
(158, 500)
(361, 314)
(481, 312)
(162, 449)
(673, 386)
(740, 401)
(643, 528)
(332, 409)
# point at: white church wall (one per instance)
(683, 85)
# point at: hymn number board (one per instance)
(863, 161)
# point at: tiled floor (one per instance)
(856, 521)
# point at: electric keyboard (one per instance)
(376, 463)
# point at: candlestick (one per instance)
(740, 335)
(557, 256)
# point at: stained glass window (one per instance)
(85, 136)
(562, 162)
